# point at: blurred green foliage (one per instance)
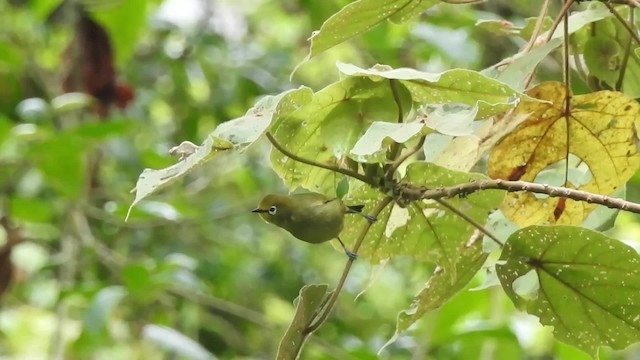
(193, 274)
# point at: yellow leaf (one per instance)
(597, 136)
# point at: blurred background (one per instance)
(193, 274)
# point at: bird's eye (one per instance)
(273, 210)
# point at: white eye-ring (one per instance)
(273, 210)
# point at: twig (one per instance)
(625, 58)
(297, 158)
(320, 319)
(411, 193)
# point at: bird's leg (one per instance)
(370, 219)
(350, 254)
(356, 210)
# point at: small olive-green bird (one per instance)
(310, 217)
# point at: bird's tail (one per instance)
(357, 209)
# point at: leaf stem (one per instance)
(322, 317)
(297, 158)
(395, 147)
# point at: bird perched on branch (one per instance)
(310, 217)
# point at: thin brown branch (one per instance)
(411, 193)
(625, 58)
(335, 168)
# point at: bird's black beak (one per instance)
(258, 210)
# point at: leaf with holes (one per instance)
(597, 142)
(587, 284)
(234, 134)
(424, 230)
(361, 16)
(441, 287)
(326, 129)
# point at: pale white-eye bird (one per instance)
(310, 217)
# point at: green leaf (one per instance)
(361, 16)
(30, 209)
(61, 159)
(327, 128)
(588, 284)
(96, 317)
(245, 130)
(238, 133)
(425, 230)
(124, 24)
(71, 102)
(103, 130)
(308, 303)
(372, 146)
(441, 287)
(176, 342)
(458, 86)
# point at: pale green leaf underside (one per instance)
(238, 134)
(370, 147)
(326, 129)
(308, 302)
(453, 86)
(589, 288)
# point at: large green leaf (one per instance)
(308, 303)
(581, 282)
(361, 16)
(441, 287)
(327, 128)
(453, 86)
(238, 133)
(425, 230)
(96, 317)
(176, 343)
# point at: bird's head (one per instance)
(274, 208)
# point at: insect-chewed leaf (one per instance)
(601, 131)
(424, 230)
(326, 129)
(441, 287)
(308, 302)
(453, 86)
(588, 284)
(234, 134)
(361, 16)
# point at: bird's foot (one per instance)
(370, 219)
(351, 255)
